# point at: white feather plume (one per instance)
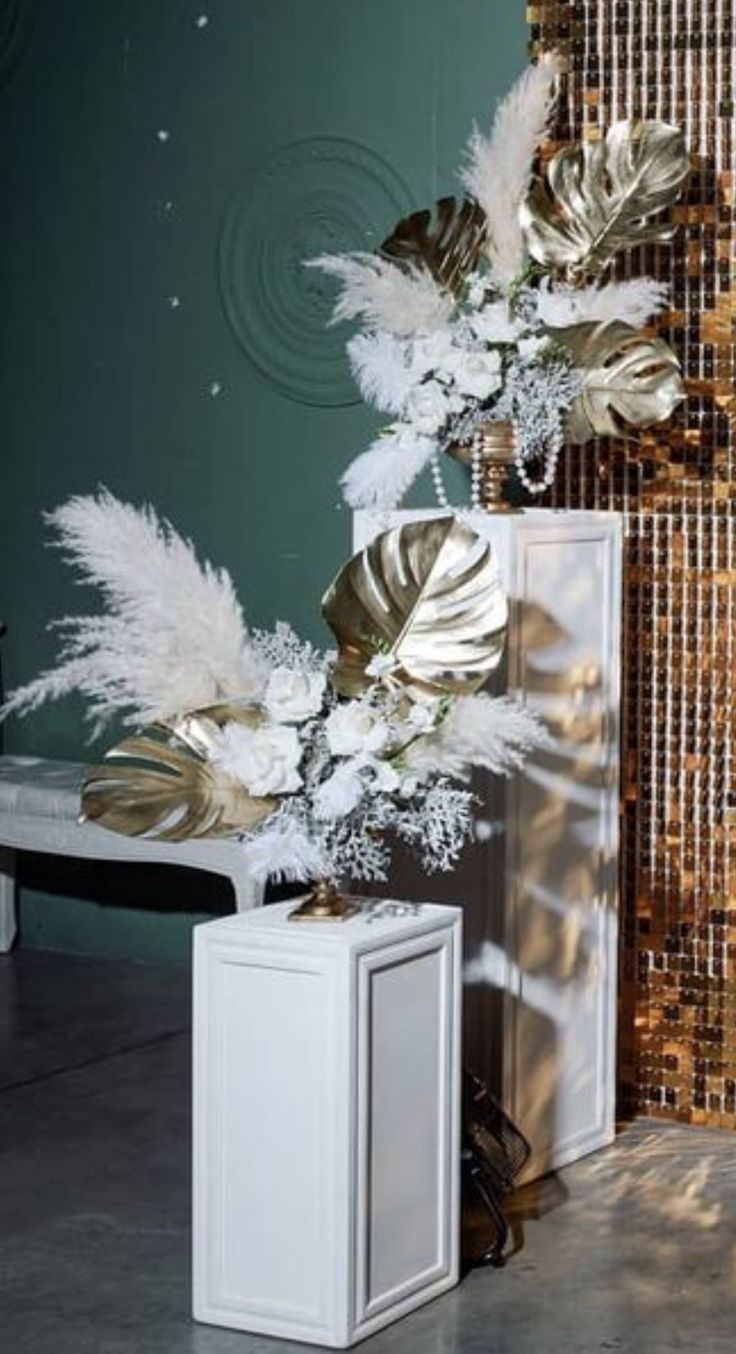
(282, 851)
(383, 369)
(172, 635)
(341, 792)
(404, 300)
(500, 165)
(492, 732)
(634, 301)
(380, 476)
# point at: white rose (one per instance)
(494, 324)
(354, 729)
(382, 665)
(478, 374)
(529, 348)
(432, 353)
(427, 407)
(293, 696)
(423, 714)
(386, 778)
(265, 759)
(478, 284)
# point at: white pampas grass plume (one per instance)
(172, 636)
(380, 476)
(283, 852)
(492, 732)
(634, 301)
(404, 300)
(500, 165)
(383, 369)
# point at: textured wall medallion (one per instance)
(322, 194)
(16, 23)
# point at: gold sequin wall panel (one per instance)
(672, 59)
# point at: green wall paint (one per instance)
(103, 381)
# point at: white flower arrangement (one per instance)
(314, 762)
(489, 317)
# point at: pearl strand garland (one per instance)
(476, 475)
(551, 457)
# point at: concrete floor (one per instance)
(633, 1250)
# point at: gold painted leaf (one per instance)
(448, 247)
(628, 379)
(429, 594)
(160, 784)
(601, 197)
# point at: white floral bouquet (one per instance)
(501, 308)
(315, 760)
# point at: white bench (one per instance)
(39, 807)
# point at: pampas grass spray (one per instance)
(500, 164)
(172, 635)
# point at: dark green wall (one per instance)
(104, 380)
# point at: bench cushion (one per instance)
(40, 788)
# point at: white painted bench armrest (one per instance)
(39, 804)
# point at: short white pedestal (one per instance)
(326, 1120)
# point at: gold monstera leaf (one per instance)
(428, 594)
(601, 197)
(448, 247)
(627, 379)
(160, 784)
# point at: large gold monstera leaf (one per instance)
(160, 784)
(448, 246)
(602, 197)
(428, 594)
(627, 379)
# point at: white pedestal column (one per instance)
(326, 1120)
(541, 914)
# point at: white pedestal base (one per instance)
(326, 1120)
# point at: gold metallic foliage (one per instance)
(427, 593)
(603, 197)
(671, 62)
(627, 379)
(448, 246)
(160, 784)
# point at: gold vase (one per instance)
(498, 442)
(324, 902)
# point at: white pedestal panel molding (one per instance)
(542, 923)
(326, 1120)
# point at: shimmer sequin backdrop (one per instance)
(672, 59)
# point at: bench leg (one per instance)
(8, 924)
(248, 894)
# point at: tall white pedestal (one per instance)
(541, 921)
(326, 1120)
